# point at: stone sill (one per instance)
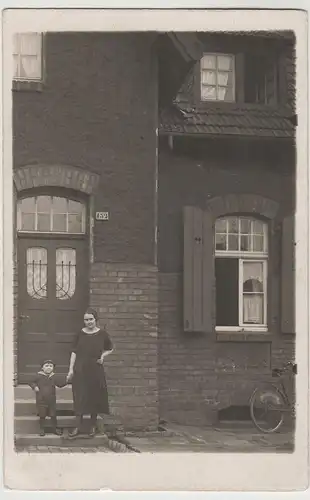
(243, 337)
(27, 85)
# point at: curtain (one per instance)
(253, 292)
(37, 272)
(30, 44)
(225, 86)
(30, 67)
(27, 55)
(65, 273)
(253, 309)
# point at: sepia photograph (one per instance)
(170, 336)
(154, 241)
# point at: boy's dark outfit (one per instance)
(46, 397)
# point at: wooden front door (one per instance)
(53, 295)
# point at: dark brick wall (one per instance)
(197, 372)
(126, 298)
(98, 110)
(185, 181)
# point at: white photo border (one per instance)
(145, 472)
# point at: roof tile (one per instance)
(244, 122)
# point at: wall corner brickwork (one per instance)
(126, 298)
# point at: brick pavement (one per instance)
(204, 440)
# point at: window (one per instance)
(261, 79)
(50, 214)
(241, 255)
(218, 77)
(65, 273)
(37, 272)
(27, 56)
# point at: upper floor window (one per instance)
(260, 79)
(50, 214)
(252, 78)
(241, 254)
(27, 56)
(218, 77)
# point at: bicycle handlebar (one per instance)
(280, 371)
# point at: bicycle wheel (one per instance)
(266, 407)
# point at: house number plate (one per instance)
(102, 215)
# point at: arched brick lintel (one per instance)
(66, 176)
(243, 203)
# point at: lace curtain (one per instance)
(37, 272)
(253, 293)
(27, 55)
(217, 77)
(65, 273)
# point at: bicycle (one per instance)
(268, 406)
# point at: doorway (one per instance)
(53, 279)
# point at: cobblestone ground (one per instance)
(189, 439)
(216, 441)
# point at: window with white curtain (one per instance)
(65, 273)
(27, 56)
(241, 266)
(218, 77)
(36, 264)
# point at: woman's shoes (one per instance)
(92, 431)
(74, 433)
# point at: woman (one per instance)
(90, 395)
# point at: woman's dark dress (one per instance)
(89, 386)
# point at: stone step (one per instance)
(22, 440)
(29, 424)
(50, 442)
(25, 392)
(24, 407)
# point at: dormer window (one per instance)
(218, 77)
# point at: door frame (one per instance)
(87, 237)
(21, 308)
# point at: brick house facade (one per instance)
(107, 127)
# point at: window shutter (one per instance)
(288, 276)
(198, 271)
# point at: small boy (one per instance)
(44, 386)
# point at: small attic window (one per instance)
(218, 77)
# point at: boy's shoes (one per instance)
(74, 433)
(58, 432)
(42, 432)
